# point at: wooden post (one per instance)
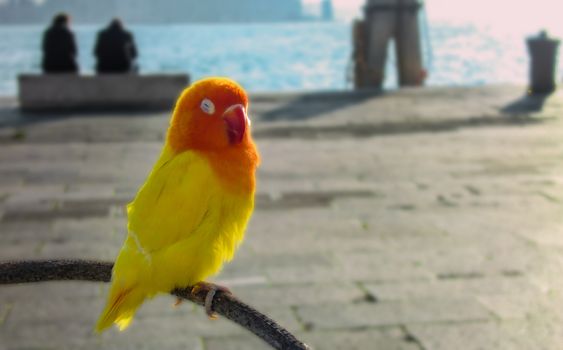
(380, 28)
(407, 44)
(386, 20)
(543, 63)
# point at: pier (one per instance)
(416, 219)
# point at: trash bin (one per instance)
(543, 54)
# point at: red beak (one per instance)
(236, 120)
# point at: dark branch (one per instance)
(82, 270)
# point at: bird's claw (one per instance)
(211, 290)
(178, 302)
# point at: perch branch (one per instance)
(83, 270)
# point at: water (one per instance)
(281, 57)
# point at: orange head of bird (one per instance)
(210, 115)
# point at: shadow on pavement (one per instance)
(391, 128)
(12, 116)
(313, 105)
(526, 104)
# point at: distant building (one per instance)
(327, 11)
(16, 11)
(150, 11)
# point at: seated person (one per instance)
(59, 47)
(115, 49)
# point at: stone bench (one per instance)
(38, 92)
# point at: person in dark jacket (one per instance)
(115, 49)
(59, 47)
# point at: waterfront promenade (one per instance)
(423, 219)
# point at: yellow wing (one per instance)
(172, 202)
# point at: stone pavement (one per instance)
(420, 219)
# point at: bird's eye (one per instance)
(207, 106)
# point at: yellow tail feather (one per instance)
(120, 308)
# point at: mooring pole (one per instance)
(386, 20)
(407, 44)
(543, 63)
(380, 29)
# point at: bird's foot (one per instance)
(178, 302)
(211, 290)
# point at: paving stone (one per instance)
(361, 339)
(520, 305)
(364, 339)
(39, 293)
(315, 274)
(290, 260)
(537, 332)
(62, 249)
(377, 266)
(16, 232)
(55, 176)
(176, 341)
(236, 343)
(31, 191)
(91, 230)
(48, 335)
(88, 191)
(34, 210)
(295, 295)
(346, 316)
(16, 251)
(549, 235)
(496, 287)
(486, 335)
(42, 311)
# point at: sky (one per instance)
(513, 15)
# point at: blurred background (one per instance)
(465, 42)
(420, 211)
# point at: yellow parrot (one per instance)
(191, 213)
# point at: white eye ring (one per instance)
(207, 106)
